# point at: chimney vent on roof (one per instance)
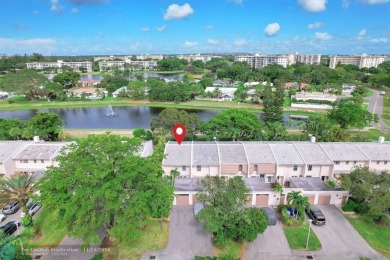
(36, 139)
(312, 139)
(381, 139)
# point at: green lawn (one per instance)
(386, 108)
(50, 233)
(369, 135)
(155, 238)
(297, 237)
(235, 249)
(377, 237)
(287, 102)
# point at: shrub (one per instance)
(330, 184)
(362, 208)
(11, 101)
(98, 256)
(221, 240)
(349, 206)
(26, 221)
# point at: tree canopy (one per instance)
(225, 213)
(101, 182)
(273, 104)
(67, 79)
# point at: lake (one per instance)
(127, 117)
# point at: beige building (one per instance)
(59, 64)
(195, 57)
(128, 64)
(362, 61)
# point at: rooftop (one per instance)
(286, 153)
(258, 152)
(39, 151)
(309, 184)
(232, 152)
(7, 148)
(374, 151)
(344, 152)
(312, 153)
(177, 154)
(205, 153)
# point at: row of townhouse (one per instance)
(129, 64)
(296, 165)
(35, 156)
(87, 65)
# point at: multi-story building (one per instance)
(87, 65)
(195, 57)
(258, 61)
(128, 64)
(362, 61)
(302, 166)
(150, 56)
(304, 58)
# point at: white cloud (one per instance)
(240, 42)
(323, 36)
(239, 2)
(56, 7)
(315, 25)
(161, 28)
(27, 44)
(374, 2)
(74, 10)
(209, 27)
(177, 12)
(189, 44)
(379, 40)
(362, 33)
(345, 4)
(272, 29)
(212, 42)
(313, 5)
(35, 12)
(145, 29)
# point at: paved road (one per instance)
(270, 245)
(187, 237)
(339, 239)
(375, 106)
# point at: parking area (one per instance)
(187, 237)
(270, 245)
(339, 239)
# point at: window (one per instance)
(198, 168)
(240, 168)
(295, 168)
(23, 161)
(35, 161)
(378, 162)
(347, 162)
(42, 161)
(255, 168)
(310, 167)
(269, 178)
(261, 175)
(308, 176)
(385, 162)
(337, 162)
(183, 168)
(354, 162)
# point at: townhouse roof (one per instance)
(344, 152)
(232, 152)
(309, 184)
(374, 151)
(257, 184)
(312, 153)
(187, 184)
(7, 148)
(258, 152)
(205, 153)
(286, 153)
(177, 154)
(39, 151)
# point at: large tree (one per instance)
(369, 186)
(67, 79)
(235, 124)
(273, 104)
(164, 122)
(298, 202)
(47, 126)
(324, 129)
(225, 213)
(101, 182)
(24, 82)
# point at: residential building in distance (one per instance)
(225, 94)
(87, 65)
(194, 57)
(103, 58)
(128, 64)
(362, 61)
(259, 61)
(304, 58)
(150, 56)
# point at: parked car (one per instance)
(2, 217)
(316, 215)
(270, 216)
(197, 208)
(383, 93)
(10, 227)
(32, 209)
(11, 207)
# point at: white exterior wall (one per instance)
(343, 166)
(288, 171)
(381, 166)
(315, 172)
(167, 170)
(31, 165)
(204, 171)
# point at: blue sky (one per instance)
(91, 27)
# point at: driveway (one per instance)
(187, 237)
(375, 106)
(339, 239)
(270, 245)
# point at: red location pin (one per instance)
(179, 132)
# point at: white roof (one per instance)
(224, 91)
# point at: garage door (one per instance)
(183, 199)
(311, 198)
(262, 199)
(324, 200)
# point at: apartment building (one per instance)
(304, 58)
(128, 64)
(258, 61)
(299, 166)
(195, 57)
(150, 56)
(362, 61)
(60, 63)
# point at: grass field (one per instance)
(235, 249)
(369, 135)
(155, 238)
(297, 237)
(386, 108)
(377, 237)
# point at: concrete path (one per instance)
(375, 106)
(187, 237)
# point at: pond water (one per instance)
(127, 117)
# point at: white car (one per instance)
(32, 209)
(2, 217)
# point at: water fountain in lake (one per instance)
(111, 111)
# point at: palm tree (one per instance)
(17, 189)
(278, 189)
(298, 202)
